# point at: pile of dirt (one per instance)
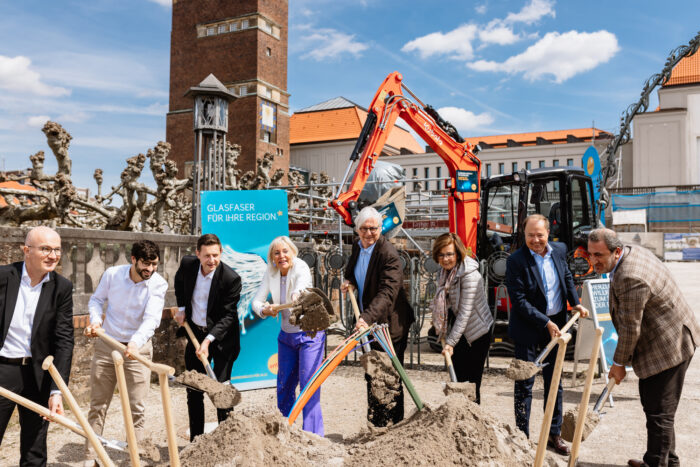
(310, 319)
(456, 433)
(568, 426)
(520, 370)
(260, 439)
(223, 396)
(468, 390)
(384, 379)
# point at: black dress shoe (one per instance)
(636, 463)
(558, 444)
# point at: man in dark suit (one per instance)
(657, 335)
(36, 320)
(539, 286)
(375, 271)
(207, 293)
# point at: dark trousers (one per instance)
(659, 395)
(523, 389)
(33, 428)
(195, 399)
(469, 361)
(377, 413)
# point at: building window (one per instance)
(244, 24)
(438, 174)
(515, 167)
(501, 168)
(234, 26)
(268, 122)
(488, 170)
(265, 26)
(528, 165)
(426, 172)
(266, 136)
(223, 28)
(268, 52)
(210, 31)
(541, 164)
(414, 171)
(570, 162)
(555, 163)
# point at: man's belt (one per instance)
(22, 361)
(202, 329)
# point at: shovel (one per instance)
(356, 310)
(202, 358)
(520, 369)
(60, 419)
(448, 362)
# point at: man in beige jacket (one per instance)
(657, 335)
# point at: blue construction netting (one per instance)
(666, 206)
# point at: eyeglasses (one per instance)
(445, 255)
(368, 229)
(46, 250)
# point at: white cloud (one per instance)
(38, 121)
(329, 43)
(465, 120)
(560, 55)
(73, 117)
(532, 12)
(457, 44)
(480, 9)
(497, 33)
(165, 3)
(16, 75)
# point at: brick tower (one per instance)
(244, 44)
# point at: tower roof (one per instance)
(211, 85)
(686, 72)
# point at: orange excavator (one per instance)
(463, 165)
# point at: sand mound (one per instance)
(456, 433)
(260, 440)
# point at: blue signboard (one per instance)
(390, 218)
(591, 165)
(247, 221)
(595, 298)
(467, 181)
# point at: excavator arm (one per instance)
(388, 104)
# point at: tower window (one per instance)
(223, 28)
(244, 24)
(266, 136)
(268, 52)
(210, 31)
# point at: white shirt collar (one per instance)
(208, 276)
(28, 280)
(549, 251)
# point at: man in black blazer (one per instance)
(539, 286)
(36, 320)
(207, 293)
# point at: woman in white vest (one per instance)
(298, 355)
(460, 310)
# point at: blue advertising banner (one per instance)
(595, 298)
(247, 221)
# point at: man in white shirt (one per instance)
(36, 320)
(135, 295)
(207, 292)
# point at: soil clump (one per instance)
(568, 426)
(223, 396)
(467, 389)
(521, 369)
(313, 312)
(384, 379)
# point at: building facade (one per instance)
(244, 44)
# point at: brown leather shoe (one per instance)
(636, 463)
(558, 444)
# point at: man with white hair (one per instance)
(375, 271)
(36, 312)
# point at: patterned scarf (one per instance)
(439, 304)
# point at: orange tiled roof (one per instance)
(341, 124)
(686, 72)
(546, 137)
(14, 186)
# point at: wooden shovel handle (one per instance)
(195, 343)
(448, 362)
(353, 300)
(131, 442)
(553, 342)
(282, 306)
(155, 367)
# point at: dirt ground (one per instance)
(620, 435)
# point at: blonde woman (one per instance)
(460, 310)
(298, 355)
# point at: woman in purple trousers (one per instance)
(298, 355)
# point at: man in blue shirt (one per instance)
(539, 285)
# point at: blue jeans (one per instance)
(298, 357)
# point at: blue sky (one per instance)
(101, 67)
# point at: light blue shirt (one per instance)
(361, 269)
(550, 280)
